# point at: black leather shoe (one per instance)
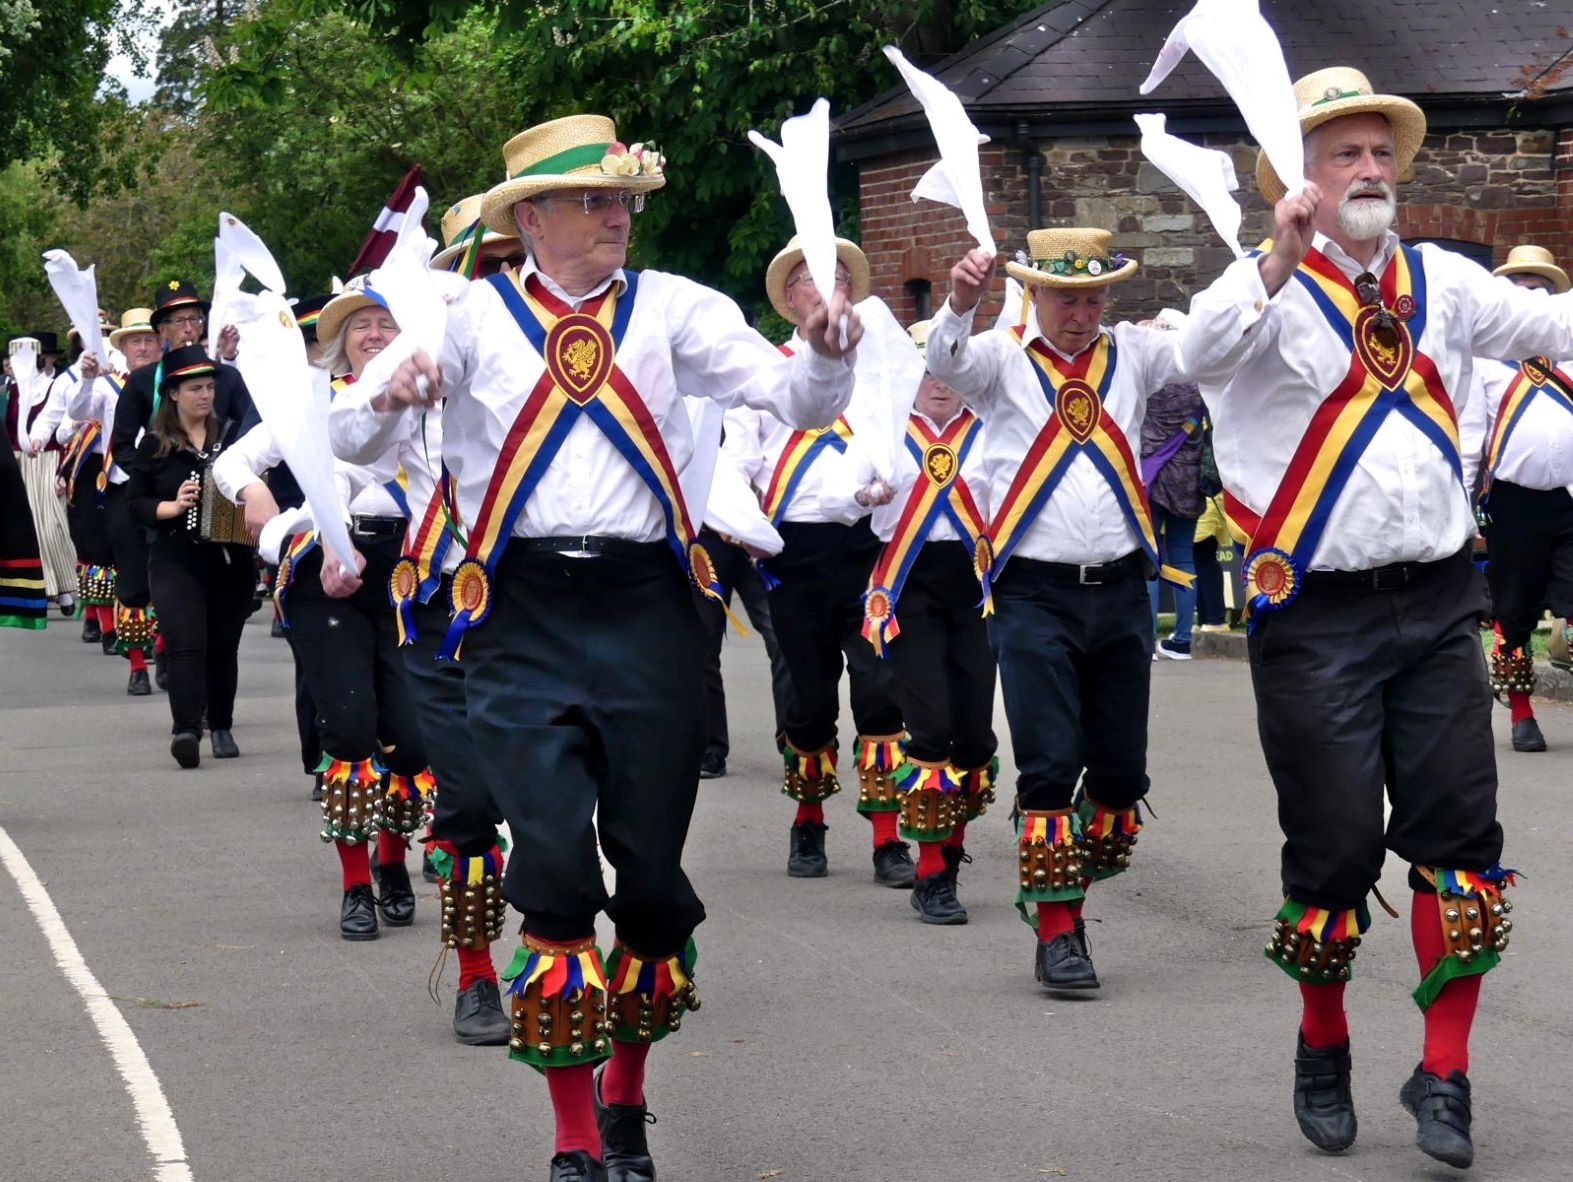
(1063, 963)
(577, 1166)
(623, 1145)
(1527, 736)
(138, 686)
(1323, 1103)
(1442, 1114)
(223, 744)
(893, 865)
(358, 915)
(91, 633)
(161, 669)
(186, 747)
(712, 766)
(316, 788)
(395, 898)
(806, 855)
(106, 642)
(934, 899)
(478, 1018)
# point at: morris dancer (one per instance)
(1331, 364)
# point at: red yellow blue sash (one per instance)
(1077, 426)
(115, 383)
(76, 453)
(801, 450)
(581, 377)
(289, 562)
(1386, 375)
(1535, 376)
(939, 491)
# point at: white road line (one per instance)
(153, 1113)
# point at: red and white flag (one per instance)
(385, 231)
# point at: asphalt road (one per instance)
(840, 1038)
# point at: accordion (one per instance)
(215, 518)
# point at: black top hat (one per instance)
(177, 293)
(306, 312)
(188, 361)
(48, 342)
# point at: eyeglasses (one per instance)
(185, 321)
(843, 277)
(601, 201)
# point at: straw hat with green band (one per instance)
(1338, 91)
(576, 152)
(463, 236)
(1070, 256)
(1535, 260)
(132, 321)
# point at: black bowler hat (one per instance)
(177, 293)
(188, 361)
(48, 342)
(306, 312)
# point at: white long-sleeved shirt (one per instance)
(362, 488)
(53, 414)
(1266, 363)
(95, 399)
(1539, 453)
(1082, 521)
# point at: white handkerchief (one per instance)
(802, 161)
(77, 291)
(1205, 174)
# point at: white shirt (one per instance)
(1265, 364)
(856, 470)
(1539, 453)
(53, 416)
(360, 486)
(682, 338)
(96, 399)
(1082, 522)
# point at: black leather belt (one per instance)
(364, 525)
(1378, 578)
(588, 546)
(1132, 566)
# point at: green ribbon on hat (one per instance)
(1342, 94)
(561, 162)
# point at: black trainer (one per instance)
(186, 747)
(358, 914)
(1063, 963)
(1527, 736)
(138, 686)
(1323, 1103)
(577, 1166)
(395, 895)
(223, 744)
(806, 855)
(712, 765)
(934, 899)
(1442, 1113)
(893, 865)
(624, 1148)
(956, 857)
(478, 1017)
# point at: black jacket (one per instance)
(133, 410)
(154, 479)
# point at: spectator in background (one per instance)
(1171, 462)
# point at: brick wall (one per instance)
(1495, 187)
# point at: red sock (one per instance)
(1518, 705)
(810, 812)
(930, 860)
(1323, 1022)
(1449, 1018)
(105, 615)
(958, 836)
(1076, 905)
(475, 966)
(391, 847)
(884, 828)
(622, 1079)
(573, 1106)
(158, 643)
(355, 862)
(1054, 919)
(138, 660)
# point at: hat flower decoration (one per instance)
(637, 160)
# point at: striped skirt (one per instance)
(49, 522)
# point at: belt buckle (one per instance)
(357, 529)
(1081, 574)
(1389, 579)
(583, 549)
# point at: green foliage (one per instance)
(29, 213)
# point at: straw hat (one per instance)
(577, 152)
(849, 254)
(355, 296)
(1338, 91)
(919, 333)
(455, 222)
(132, 321)
(1071, 256)
(1535, 260)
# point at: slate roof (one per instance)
(1081, 61)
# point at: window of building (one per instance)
(921, 293)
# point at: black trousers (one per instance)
(585, 692)
(1209, 583)
(944, 668)
(818, 615)
(202, 592)
(1357, 691)
(85, 516)
(736, 573)
(305, 715)
(1531, 565)
(465, 813)
(1075, 667)
(129, 543)
(349, 653)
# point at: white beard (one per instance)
(1363, 219)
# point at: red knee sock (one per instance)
(884, 828)
(158, 643)
(810, 812)
(958, 836)
(475, 965)
(391, 848)
(573, 1106)
(105, 615)
(930, 860)
(1518, 706)
(1323, 1022)
(1054, 919)
(622, 1079)
(355, 862)
(1449, 1018)
(138, 660)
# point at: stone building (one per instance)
(1056, 90)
